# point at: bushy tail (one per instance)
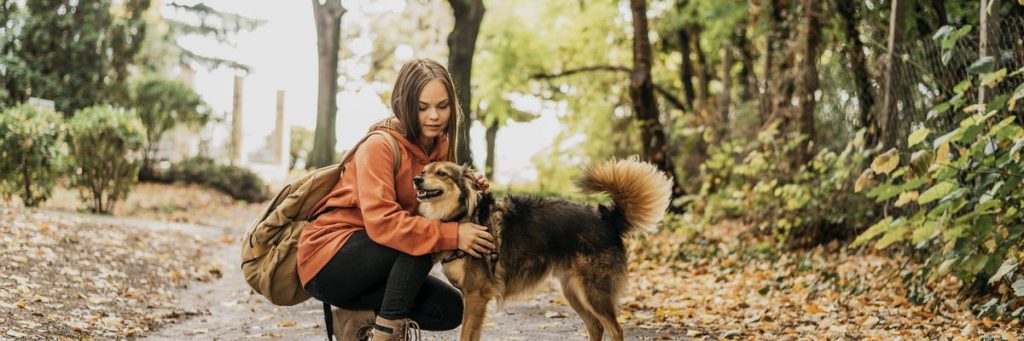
(640, 191)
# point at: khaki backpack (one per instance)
(269, 247)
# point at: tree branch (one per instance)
(673, 100)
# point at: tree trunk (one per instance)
(858, 68)
(492, 136)
(987, 22)
(772, 39)
(328, 41)
(807, 84)
(889, 122)
(686, 67)
(726, 96)
(26, 180)
(747, 76)
(703, 70)
(641, 93)
(461, 44)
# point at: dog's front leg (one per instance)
(473, 315)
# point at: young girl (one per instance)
(366, 252)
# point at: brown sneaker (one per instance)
(395, 330)
(352, 325)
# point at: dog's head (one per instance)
(446, 191)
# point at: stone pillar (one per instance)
(236, 123)
(280, 141)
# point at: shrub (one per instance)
(107, 146)
(958, 195)
(163, 104)
(33, 152)
(240, 183)
(753, 182)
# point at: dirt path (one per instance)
(225, 309)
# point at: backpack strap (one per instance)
(396, 153)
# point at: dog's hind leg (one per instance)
(601, 295)
(573, 289)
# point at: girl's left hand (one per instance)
(482, 184)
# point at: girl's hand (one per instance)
(482, 184)
(475, 240)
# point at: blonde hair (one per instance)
(405, 97)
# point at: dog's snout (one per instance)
(417, 180)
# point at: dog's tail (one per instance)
(640, 191)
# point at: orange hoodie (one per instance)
(369, 196)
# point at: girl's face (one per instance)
(435, 110)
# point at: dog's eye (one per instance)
(442, 173)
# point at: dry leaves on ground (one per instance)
(729, 287)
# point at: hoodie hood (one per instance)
(397, 129)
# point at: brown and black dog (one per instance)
(581, 245)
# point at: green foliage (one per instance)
(162, 104)
(960, 195)
(74, 53)
(33, 152)
(240, 183)
(753, 182)
(107, 146)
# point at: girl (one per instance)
(365, 251)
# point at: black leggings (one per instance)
(364, 275)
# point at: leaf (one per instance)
(863, 180)
(885, 163)
(992, 78)
(925, 232)
(1017, 95)
(906, 197)
(872, 231)
(1008, 265)
(917, 136)
(1018, 288)
(936, 192)
(894, 235)
(962, 86)
(982, 65)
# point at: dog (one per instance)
(581, 245)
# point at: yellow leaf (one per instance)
(813, 309)
(287, 324)
(885, 163)
(906, 197)
(21, 304)
(974, 107)
(863, 180)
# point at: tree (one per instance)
(162, 104)
(208, 22)
(854, 48)
(889, 124)
(76, 53)
(807, 83)
(461, 44)
(327, 16)
(641, 92)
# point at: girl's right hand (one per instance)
(475, 240)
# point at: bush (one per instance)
(753, 182)
(958, 196)
(107, 146)
(240, 183)
(33, 152)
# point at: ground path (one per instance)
(226, 309)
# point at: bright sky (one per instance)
(283, 56)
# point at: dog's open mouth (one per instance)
(427, 194)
